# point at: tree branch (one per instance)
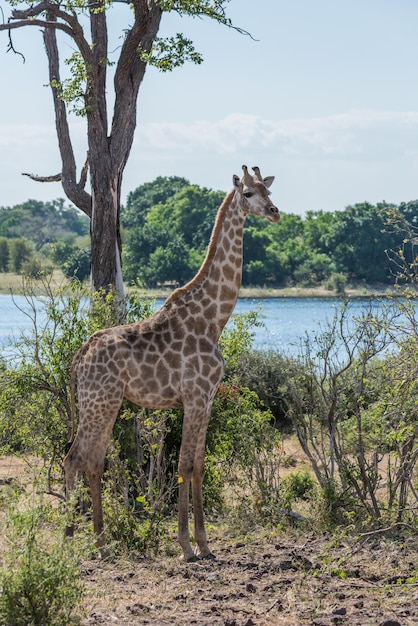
(74, 191)
(56, 178)
(71, 25)
(35, 22)
(84, 171)
(129, 73)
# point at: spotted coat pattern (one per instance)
(171, 359)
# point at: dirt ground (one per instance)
(282, 578)
(291, 579)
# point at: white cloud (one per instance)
(322, 162)
(16, 136)
(353, 135)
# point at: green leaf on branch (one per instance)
(166, 54)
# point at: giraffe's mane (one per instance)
(205, 267)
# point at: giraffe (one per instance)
(170, 359)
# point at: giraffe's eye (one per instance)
(248, 194)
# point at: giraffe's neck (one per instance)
(213, 292)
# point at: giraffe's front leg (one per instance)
(197, 483)
(199, 519)
(195, 477)
(191, 468)
(191, 428)
(183, 515)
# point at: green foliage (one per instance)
(402, 223)
(72, 90)
(36, 267)
(358, 239)
(337, 282)
(198, 8)
(334, 507)
(267, 373)
(298, 485)
(43, 222)
(240, 451)
(166, 230)
(237, 339)
(4, 254)
(20, 251)
(134, 496)
(77, 265)
(35, 235)
(40, 576)
(355, 415)
(167, 225)
(172, 52)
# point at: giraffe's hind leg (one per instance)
(87, 454)
(94, 474)
(73, 468)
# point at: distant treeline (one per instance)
(166, 226)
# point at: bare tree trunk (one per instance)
(108, 152)
(106, 266)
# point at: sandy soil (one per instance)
(280, 578)
(289, 580)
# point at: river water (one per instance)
(284, 321)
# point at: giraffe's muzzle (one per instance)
(273, 215)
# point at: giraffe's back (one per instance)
(154, 365)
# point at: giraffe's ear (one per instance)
(268, 180)
(236, 182)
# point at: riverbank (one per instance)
(316, 292)
(13, 283)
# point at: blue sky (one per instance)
(325, 97)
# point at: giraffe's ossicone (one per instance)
(169, 360)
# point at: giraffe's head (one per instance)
(254, 194)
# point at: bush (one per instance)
(63, 319)
(77, 265)
(40, 577)
(20, 250)
(337, 282)
(355, 415)
(4, 254)
(298, 486)
(267, 374)
(36, 267)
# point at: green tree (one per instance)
(357, 240)
(20, 251)
(169, 264)
(143, 198)
(287, 249)
(10, 220)
(77, 265)
(255, 268)
(43, 222)
(86, 92)
(4, 254)
(316, 227)
(166, 240)
(314, 269)
(409, 211)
